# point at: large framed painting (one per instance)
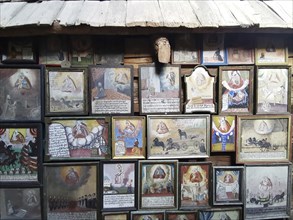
(200, 91)
(263, 138)
(111, 89)
(119, 181)
(21, 154)
(160, 89)
(21, 92)
(70, 191)
(158, 184)
(236, 90)
(273, 90)
(194, 185)
(77, 138)
(268, 191)
(178, 136)
(21, 203)
(271, 50)
(66, 92)
(213, 49)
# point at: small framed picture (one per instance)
(175, 215)
(240, 49)
(271, 50)
(234, 213)
(21, 153)
(142, 215)
(74, 138)
(158, 184)
(200, 91)
(223, 133)
(178, 136)
(81, 50)
(236, 90)
(53, 50)
(119, 181)
(111, 89)
(71, 190)
(273, 90)
(21, 203)
(128, 137)
(20, 50)
(228, 187)
(160, 89)
(21, 89)
(66, 92)
(268, 191)
(115, 216)
(213, 51)
(195, 185)
(185, 50)
(263, 138)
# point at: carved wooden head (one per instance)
(163, 49)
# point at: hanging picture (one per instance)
(111, 89)
(273, 94)
(21, 153)
(142, 215)
(21, 92)
(178, 215)
(81, 50)
(78, 138)
(236, 90)
(213, 51)
(160, 90)
(200, 87)
(234, 213)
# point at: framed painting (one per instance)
(268, 191)
(20, 50)
(273, 90)
(21, 154)
(115, 215)
(200, 91)
(213, 49)
(263, 138)
(195, 185)
(21, 89)
(178, 136)
(185, 50)
(158, 184)
(66, 92)
(228, 185)
(21, 203)
(53, 51)
(236, 90)
(111, 89)
(223, 133)
(119, 181)
(71, 191)
(160, 89)
(240, 49)
(271, 50)
(142, 215)
(128, 137)
(234, 213)
(73, 138)
(81, 50)
(178, 215)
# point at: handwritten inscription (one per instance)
(58, 146)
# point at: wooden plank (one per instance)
(143, 14)
(226, 17)
(267, 18)
(278, 7)
(206, 14)
(9, 11)
(69, 13)
(178, 13)
(116, 14)
(93, 13)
